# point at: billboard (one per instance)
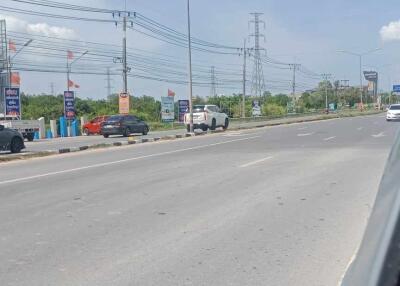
(371, 75)
(183, 106)
(123, 103)
(12, 101)
(69, 105)
(167, 109)
(256, 108)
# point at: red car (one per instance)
(94, 125)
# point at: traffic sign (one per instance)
(396, 88)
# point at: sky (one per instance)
(306, 32)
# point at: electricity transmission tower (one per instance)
(294, 67)
(109, 86)
(213, 90)
(257, 80)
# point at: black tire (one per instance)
(106, 135)
(145, 130)
(204, 128)
(17, 145)
(226, 124)
(86, 132)
(30, 137)
(188, 128)
(127, 132)
(213, 124)
(387, 120)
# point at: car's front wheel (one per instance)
(213, 124)
(16, 145)
(204, 128)
(126, 132)
(226, 124)
(86, 132)
(106, 135)
(145, 130)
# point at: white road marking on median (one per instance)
(329, 138)
(382, 134)
(255, 162)
(305, 134)
(123, 161)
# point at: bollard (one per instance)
(42, 128)
(63, 127)
(36, 136)
(53, 128)
(49, 134)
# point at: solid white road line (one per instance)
(329, 138)
(122, 161)
(305, 134)
(255, 162)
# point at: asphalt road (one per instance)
(285, 205)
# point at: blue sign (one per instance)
(69, 105)
(183, 106)
(12, 100)
(396, 88)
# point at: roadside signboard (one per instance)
(396, 88)
(371, 75)
(183, 106)
(123, 103)
(167, 109)
(256, 109)
(69, 105)
(12, 101)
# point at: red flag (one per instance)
(70, 55)
(11, 46)
(15, 79)
(70, 83)
(171, 93)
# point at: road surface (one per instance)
(285, 205)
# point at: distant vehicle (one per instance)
(123, 125)
(11, 140)
(393, 112)
(94, 125)
(26, 127)
(206, 117)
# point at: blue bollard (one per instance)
(63, 127)
(36, 135)
(49, 134)
(73, 128)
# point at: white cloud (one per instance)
(44, 29)
(391, 32)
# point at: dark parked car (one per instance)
(11, 140)
(123, 125)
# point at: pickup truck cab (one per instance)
(11, 140)
(206, 117)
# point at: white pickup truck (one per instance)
(27, 128)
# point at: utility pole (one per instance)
(244, 80)
(326, 76)
(258, 82)
(213, 91)
(190, 68)
(294, 67)
(52, 88)
(125, 67)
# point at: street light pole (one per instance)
(190, 69)
(70, 64)
(11, 58)
(361, 87)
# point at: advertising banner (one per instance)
(371, 75)
(69, 105)
(183, 107)
(12, 101)
(167, 109)
(123, 103)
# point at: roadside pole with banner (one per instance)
(69, 105)
(12, 102)
(123, 103)
(183, 106)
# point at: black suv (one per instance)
(123, 125)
